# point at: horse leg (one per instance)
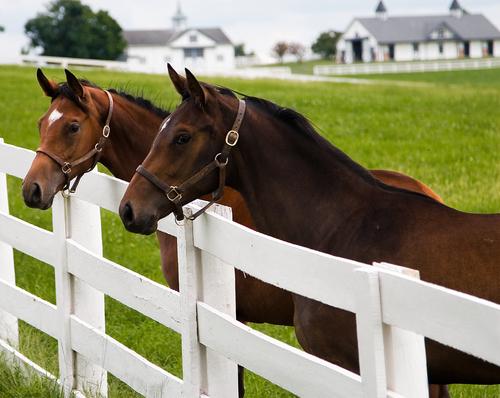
(241, 381)
(168, 253)
(438, 391)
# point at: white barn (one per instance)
(455, 35)
(199, 49)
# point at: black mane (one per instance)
(302, 125)
(65, 90)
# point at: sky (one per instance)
(257, 23)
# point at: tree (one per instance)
(297, 50)
(326, 44)
(1, 28)
(71, 29)
(280, 49)
(239, 50)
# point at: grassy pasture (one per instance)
(486, 78)
(446, 134)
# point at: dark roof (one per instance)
(216, 34)
(381, 7)
(166, 36)
(455, 6)
(419, 28)
(149, 37)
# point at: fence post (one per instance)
(64, 297)
(8, 322)
(203, 277)
(370, 333)
(80, 221)
(406, 364)
(218, 290)
(189, 264)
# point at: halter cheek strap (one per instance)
(175, 193)
(94, 154)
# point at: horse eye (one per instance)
(74, 127)
(183, 139)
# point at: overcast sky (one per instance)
(257, 23)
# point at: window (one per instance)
(193, 38)
(415, 47)
(441, 48)
(193, 53)
(441, 33)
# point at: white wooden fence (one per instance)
(66, 62)
(406, 67)
(393, 309)
(246, 72)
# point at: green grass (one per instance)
(447, 135)
(14, 383)
(482, 78)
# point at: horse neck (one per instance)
(133, 129)
(298, 187)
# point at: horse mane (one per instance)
(300, 124)
(65, 90)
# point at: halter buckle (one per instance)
(232, 137)
(219, 163)
(66, 168)
(105, 131)
(177, 197)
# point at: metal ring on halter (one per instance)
(98, 148)
(66, 193)
(66, 168)
(178, 195)
(232, 133)
(179, 223)
(219, 163)
(105, 131)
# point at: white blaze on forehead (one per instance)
(54, 116)
(164, 124)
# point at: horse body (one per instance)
(314, 195)
(416, 241)
(356, 217)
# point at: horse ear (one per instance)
(195, 89)
(178, 81)
(74, 84)
(49, 87)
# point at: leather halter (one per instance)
(175, 193)
(94, 154)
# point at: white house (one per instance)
(457, 34)
(199, 49)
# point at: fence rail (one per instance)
(406, 67)
(393, 310)
(65, 62)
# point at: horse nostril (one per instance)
(127, 214)
(35, 193)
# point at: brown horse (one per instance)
(134, 124)
(327, 202)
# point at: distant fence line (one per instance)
(406, 67)
(65, 62)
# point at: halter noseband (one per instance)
(174, 193)
(95, 153)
